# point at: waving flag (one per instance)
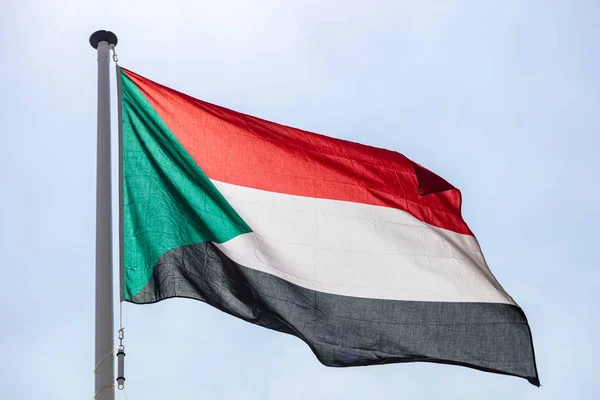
(358, 251)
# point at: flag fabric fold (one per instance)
(358, 251)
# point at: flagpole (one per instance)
(104, 372)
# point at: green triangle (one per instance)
(168, 201)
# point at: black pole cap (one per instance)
(103, 36)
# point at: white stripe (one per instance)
(357, 250)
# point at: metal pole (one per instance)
(105, 374)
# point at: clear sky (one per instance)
(499, 97)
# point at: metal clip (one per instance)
(114, 57)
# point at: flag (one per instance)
(358, 251)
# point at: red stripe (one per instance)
(243, 150)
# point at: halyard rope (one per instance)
(102, 360)
(107, 386)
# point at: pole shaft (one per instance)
(104, 274)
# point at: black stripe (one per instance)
(349, 331)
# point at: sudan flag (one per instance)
(358, 251)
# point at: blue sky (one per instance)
(499, 97)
